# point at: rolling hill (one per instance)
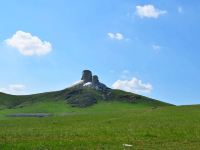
(89, 115)
(87, 92)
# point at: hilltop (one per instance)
(87, 92)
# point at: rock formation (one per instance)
(80, 96)
(95, 80)
(86, 76)
(87, 80)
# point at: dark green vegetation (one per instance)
(110, 120)
(76, 97)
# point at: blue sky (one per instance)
(148, 47)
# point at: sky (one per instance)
(148, 47)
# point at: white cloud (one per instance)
(149, 11)
(180, 9)
(156, 47)
(116, 36)
(14, 89)
(134, 85)
(4, 90)
(28, 44)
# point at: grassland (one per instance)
(106, 125)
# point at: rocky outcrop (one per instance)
(87, 80)
(81, 98)
(86, 76)
(95, 80)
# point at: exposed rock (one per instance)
(81, 98)
(90, 81)
(86, 76)
(95, 80)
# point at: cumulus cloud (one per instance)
(14, 89)
(116, 36)
(134, 85)
(149, 11)
(28, 44)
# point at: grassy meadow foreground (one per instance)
(106, 125)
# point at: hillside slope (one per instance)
(81, 97)
(87, 92)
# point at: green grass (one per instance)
(79, 97)
(106, 125)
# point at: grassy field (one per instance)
(106, 125)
